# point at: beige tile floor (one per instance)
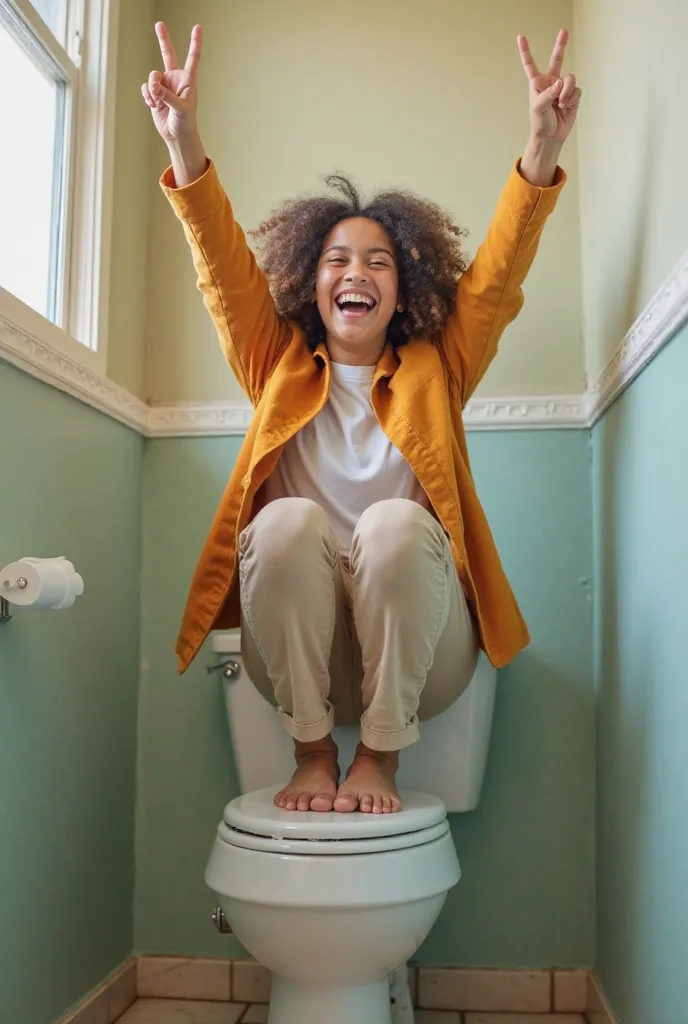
(182, 1011)
(185, 1011)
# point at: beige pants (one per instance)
(385, 638)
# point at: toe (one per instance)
(366, 803)
(322, 802)
(303, 802)
(345, 803)
(396, 803)
(386, 805)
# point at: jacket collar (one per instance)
(387, 364)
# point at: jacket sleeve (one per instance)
(489, 293)
(235, 290)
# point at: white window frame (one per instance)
(87, 186)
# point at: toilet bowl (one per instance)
(332, 903)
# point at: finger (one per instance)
(167, 50)
(145, 92)
(547, 98)
(567, 89)
(194, 56)
(574, 99)
(165, 96)
(160, 94)
(154, 83)
(556, 61)
(529, 65)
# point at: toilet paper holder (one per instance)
(5, 614)
(30, 582)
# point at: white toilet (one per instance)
(334, 903)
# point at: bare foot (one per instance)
(370, 783)
(314, 784)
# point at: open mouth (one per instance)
(354, 304)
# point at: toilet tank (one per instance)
(449, 761)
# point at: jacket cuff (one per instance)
(197, 201)
(520, 192)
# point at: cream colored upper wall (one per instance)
(429, 96)
(130, 233)
(633, 154)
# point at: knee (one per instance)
(395, 533)
(286, 531)
(395, 522)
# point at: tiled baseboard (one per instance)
(109, 1001)
(436, 990)
(597, 1009)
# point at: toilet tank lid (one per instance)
(257, 814)
(227, 642)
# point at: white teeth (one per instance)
(356, 297)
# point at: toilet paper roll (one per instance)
(41, 583)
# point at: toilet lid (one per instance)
(257, 814)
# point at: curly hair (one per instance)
(426, 240)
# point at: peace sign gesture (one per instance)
(171, 94)
(554, 100)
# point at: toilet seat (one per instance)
(252, 821)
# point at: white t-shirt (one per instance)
(342, 459)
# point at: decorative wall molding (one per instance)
(232, 419)
(191, 419)
(535, 412)
(666, 312)
(659, 321)
(40, 359)
(216, 419)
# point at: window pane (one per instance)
(54, 14)
(28, 172)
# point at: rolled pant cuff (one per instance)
(308, 733)
(386, 741)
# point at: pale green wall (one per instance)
(527, 895)
(185, 762)
(269, 75)
(632, 156)
(640, 493)
(68, 699)
(433, 98)
(634, 229)
(137, 54)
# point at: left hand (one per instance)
(553, 99)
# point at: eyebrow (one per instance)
(347, 248)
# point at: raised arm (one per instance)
(490, 293)
(235, 290)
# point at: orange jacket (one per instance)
(288, 384)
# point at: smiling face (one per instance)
(357, 286)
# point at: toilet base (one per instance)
(293, 1003)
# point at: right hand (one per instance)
(172, 94)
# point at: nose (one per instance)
(357, 272)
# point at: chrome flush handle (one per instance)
(229, 669)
